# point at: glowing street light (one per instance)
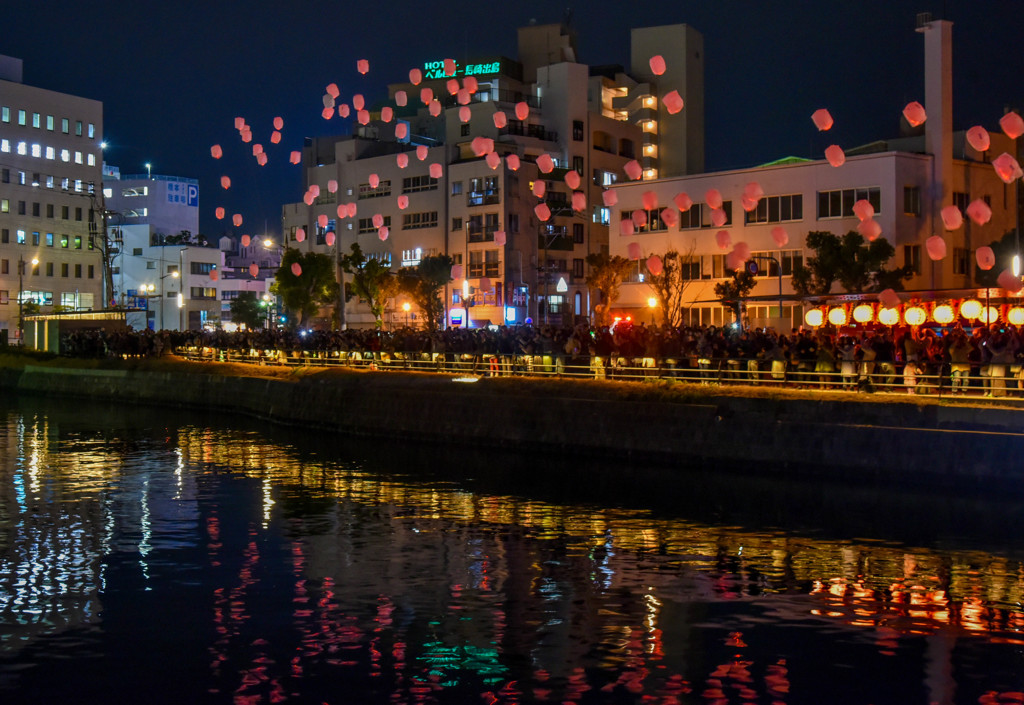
(149, 170)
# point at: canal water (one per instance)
(162, 556)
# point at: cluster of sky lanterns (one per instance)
(942, 314)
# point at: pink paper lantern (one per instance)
(219, 212)
(456, 271)
(1006, 167)
(415, 76)
(278, 123)
(683, 201)
(869, 229)
(979, 211)
(239, 123)
(723, 240)
(328, 100)
(332, 90)
(296, 269)
(378, 220)
(626, 227)
(308, 198)
(343, 110)
(426, 95)
(545, 163)
(237, 220)
(633, 250)
(572, 179)
(479, 145)
(315, 190)
(633, 169)
(421, 152)
(332, 185)
(822, 119)
(362, 66)
(889, 298)
(979, 139)
(470, 84)
(753, 191)
(401, 130)
(734, 260)
(522, 111)
(579, 201)
(742, 250)
(449, 67)
(300, 234)
(253, 269)
(329, 238)
(295, 157)
(462, 97)
(434, 108)
(673, 102)
(485, 284)
(246, 240)
(650, 200)
(246, 135)
(1007, 281)
(952, 218)
(713, 198)
(363, 117)
(326, 114)
(214, 275)
(374, 180)
(321, 220)
(403, 202)
(358, 101)
(225, 182)
(654, 265)
(216, 152)
(936, 247)
(402, 159)
(780, 236)
(863, 209)
(914, 114)
(639, 218)
(493, 160)
(387, 113)
(342, 210)
(512, 161)
(609, 198)
(500, 237)
(748, 204)
(401, 98)
(657, 63)
(985, 257)
(261, 158)
(719, 218)
(670, 217)
(352, 210)
(436, 171)
(835, 155)
(275, 137)
(465, 114)
(1013, 126)
(500, 119)
(542, 211)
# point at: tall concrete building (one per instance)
(50, 216)
(590, 121)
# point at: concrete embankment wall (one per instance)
(894, 442)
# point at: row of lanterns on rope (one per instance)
(913, 315)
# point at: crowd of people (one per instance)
(988, 360)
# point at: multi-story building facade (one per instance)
(907, 182)
(162, 264)
(591, 122)
(50, 215)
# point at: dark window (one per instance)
(839, 204)
(912, 257)
(577, 268)
(78, 214)
(912, 200)
(577, 165)
(92, 271)
(456, 223)
(35, 210)
(5, 236)
(65, 212)
(577, 130)
(577, 233)
(21, 208)
(49, 210)
(49, 269)
(78, 271)
(64, 269)
(465, 130)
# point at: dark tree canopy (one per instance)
(371, 280)
(731, 292)
(606, 275)
(305, 293)
(423, 284)
(857, 266)
(246, 310)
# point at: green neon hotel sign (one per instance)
(435, 69)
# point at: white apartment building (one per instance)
(50, 216)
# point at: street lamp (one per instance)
(21, 296)
(465, 301)
(652, 303)
(149, 170)
(406, 307)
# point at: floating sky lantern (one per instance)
(329, 238)
(343, 110)
(512, 161)
(275, 137)
(914, 114)
(328, 101)
(387, 113)
(415, 76)
(734, 260)
(363, 117)
(401, 130)
(626, 227)
(493, 160)
(545, 163)
(719, 218)
(572, 179)
(936, 248)
(673, 102)
(295, 157)
(358, 101)
(1007, 280)
(633, 169)
(500, 238)
(952, 218)
(1006, 167)
(780, 236)
(300, 234)
(522, 111)
(225, 182)
(237, 220)
(378, 220)
(216, 152)
(332, 90)
(254, 269)
(449, 67)
(239, 123)
(219, 212)
(402, 159)
(246, 240)
(214, 275)
(421, 152)
(426, 95)
(639, 218)
(308, 198)
(500, 119)
(683, 201)
(542, 211)
(278, 123)
(723, 240)
(863, 209)
(979, 211)
(835, 155)
(822, 119)
(436, 171)
(1012, 124)
(753, 191)
(609, 198)
(465, 114)
(462, 97)
(342, 210)
(657, 63)
(864, 313)
(943, 314)
(889, 298)
(579, 201)
(742, 249)
(401, 98)
(650, 200)
(540, 187)
(713, 198)
(633, 251)
(654, 265)
(352, 210)
(363, 66)
(748, 204)
(456, 272)
(296, 269)
(315, 190)
(978, 138)
(332, 185)
(403, 202)
(321, 220)
(670, 217)
(869, 229)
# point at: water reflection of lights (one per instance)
(268, 501)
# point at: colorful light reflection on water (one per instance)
(147, 559)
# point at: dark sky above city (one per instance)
(173, 76)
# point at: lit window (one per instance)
(650, 126)
(64, 183)
(21, 118)
(650, 150)
(36, 120)
(5, 146)
(650, 101)
(64, 125)
(49, 182)
(49, 123)
(78, 185)
(5, 205)
(37, 151)
(90, 159)
(92, 130)
(22, 148)
(51, 153)
(650, 174)
(108, 193)
(78, 157)
(5, 114)
(65, 155)
(21, 237)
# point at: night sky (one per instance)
(173, 76)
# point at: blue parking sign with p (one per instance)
(193, 195)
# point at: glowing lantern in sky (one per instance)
(374, 180)
(723, 240)
(863, 313)
(415, 76)
(609, 198)
(254, 269)
(237, 220)
(683, 201)
(321, 220)
(295, 157)
(542, 211)
(863, 209)
(426, 95)
(943, 314)
(633, 169)
(456, 271)
(870, 229)
(626, 227)
(332, 185)
(449, 67)
(225, 182)
(239, 123)
(300, 234)
(329, 238)
(401, 130)
(363, 117)
(219, 212)
(315, 190)
(579, 201)
(492, 159)
(952, 218)
(246, 240)
(403, 202)
(275, 137)
(654, 265)
(500, 119)
(1009, 282)
(639, 218)
(1012, 124)
(465, 114)
(278, 123)
(572, 179)
(814, 318)
(362, 66)
(352, 210)
(401, 98)
(650, 200)
(402, 159)
(522, 111)
(936, 247)
(216, 152)
(462, 97)
(889, 298)
(421, 152)
(499, 237)
(753, 191)
(657, 63)
(673, 102)
(1006, 167)
(822, 119)
(214, 275)
(734, 261)
(328, 101)
(713, 198)
(978, 138)
(633, 251)
(434, 108)
(378, 220)
(545, 163)
(436, 171)
(718, 217)
(979, 212)
(780, 236)
(512, 160)
(296, 269)
(914, 114)
(835, 155)
(261, 158)
(358, 101)
(332, 90)
(387, 113)
(670, 217)
(540, 187)
(343, 110)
